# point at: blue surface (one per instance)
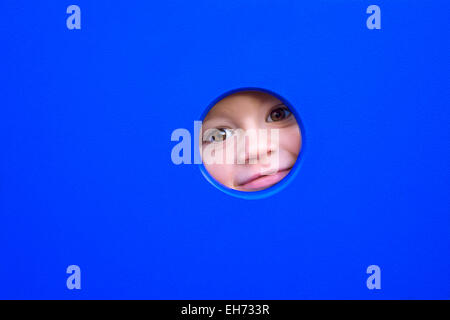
(86, 176)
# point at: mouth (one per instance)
(261, 181)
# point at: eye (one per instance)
(217, 134)
(278, 114)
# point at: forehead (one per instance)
(244, 102)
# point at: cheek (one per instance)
(223, 173)
(291, 140)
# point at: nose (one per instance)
(256, 146)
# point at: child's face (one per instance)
(257, 164)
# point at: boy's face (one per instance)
(251, 141)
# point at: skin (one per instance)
(253, 167)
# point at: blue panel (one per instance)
(86, 176)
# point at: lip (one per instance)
(260, 181)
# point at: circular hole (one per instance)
(250, 142)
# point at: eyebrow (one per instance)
(219, 114)
(217, 122)
(279, 104)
